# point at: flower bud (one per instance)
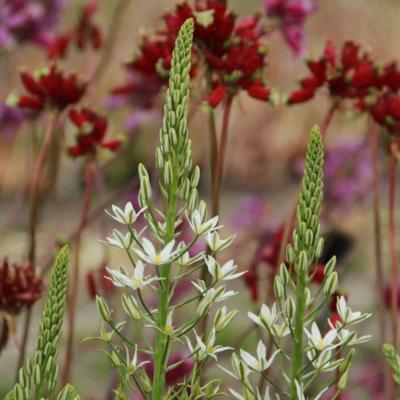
(168, 175)
(290, 308)
(290, 254)
(331, 284)
(330, 265)
(223, 318)
(284, 274)
(131, 307)
(309, 238)
(103, 309)
(302, 262)
(278, 287)
(193, 200)
(195, 178)
(319, 248)
(36, 375)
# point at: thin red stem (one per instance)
(328, 118)
(34, 192)
(74, 282)
(393, 249)
(219, 166)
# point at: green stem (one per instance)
(298, 332)
(161, 351)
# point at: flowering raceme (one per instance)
(92, 128)
(48, 88)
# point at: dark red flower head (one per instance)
(20, 287)
(350, 76)
(49, 87)
(92, 128)
(230, 49)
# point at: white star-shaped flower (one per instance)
(136, 281)
(261, 363)
(348, 316)
(126, 216)
(119, 240)
(199, 226)
(224, 273)
(318, 341)
(206, 349)
(151, 256)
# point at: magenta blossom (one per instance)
(27, 20)
(292, 15)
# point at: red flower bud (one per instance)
(301, 96)
(216, 96)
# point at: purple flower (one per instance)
(348, 173)
(292, 15)
(27, 20)
(11, 119)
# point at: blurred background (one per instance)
(263, 167)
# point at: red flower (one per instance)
(57, 46)
(20, 287)
(216, 96)
(351, 78)
(231, 49)
(92, 128)
(87, 33)
(301, 96)
(49, 87)
(259, 91)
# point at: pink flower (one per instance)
(292, 15)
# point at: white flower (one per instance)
(346, 315)
(127, 216)
(261, 363)
(119, 240)
(136, 281)
(215, 243)
(268, 319)
(199, 226)
(267, 316)
(210, 296)
(133, 366)
(206, 349)
(225, 273)
(318, 342)
(153, 257)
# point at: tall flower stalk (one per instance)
(160, 259)
(297, 309)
